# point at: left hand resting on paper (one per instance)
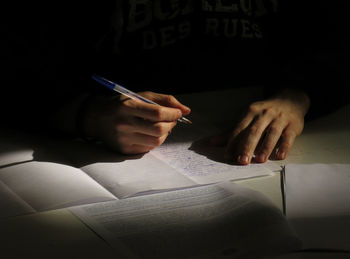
(267, 129)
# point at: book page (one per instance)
(202, 222)
(11, 204)
(44, 185)
(318, 204)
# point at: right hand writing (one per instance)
(132, 126)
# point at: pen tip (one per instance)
(187, 121)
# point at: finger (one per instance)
(232, 143)
(135, 149)
(243, 148)
(286, 142)
(150, 112)
(269, 142)
(153, 129)
(242, 125)
(248, 117)
(121, 143)
(140, 139)
(166, 100)
(137, 125)
(228, 137)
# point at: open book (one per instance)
(222, 220)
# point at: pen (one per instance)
(122, 90)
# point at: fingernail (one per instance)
(243, 159)
(282, 155)
(261, 158)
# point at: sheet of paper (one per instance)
(317, 200)
(202, 222)
(188, 151)
(46, 186)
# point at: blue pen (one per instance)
(122, 90)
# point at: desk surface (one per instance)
(58, 233)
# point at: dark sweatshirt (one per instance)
(49, 52)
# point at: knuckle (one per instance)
(281, 116)
(252, 108)
(127, 104)
(159, 130)
(290, 134)
(286, 145)
(157, 113)
(157, 141)
(269, 111)
(170, 98)
(146, 93)
(255, 107)
(254, 130)
(274, 130)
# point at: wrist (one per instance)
(297, 97)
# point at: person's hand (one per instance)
(131, 126)
(267, 129)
